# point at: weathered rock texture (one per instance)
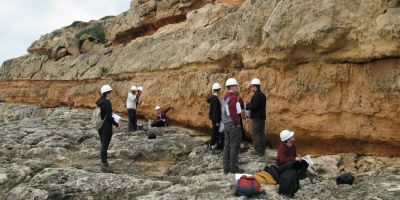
(329, 68)
(49, 153)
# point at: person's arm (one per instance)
(167, 110)
(108, 109)
(232, 109)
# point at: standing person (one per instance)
(214, 115)
(105, 132)
(139, 93)
(161, 117)
(257, 108)
(240, 114)
(131, 102)
(231, 128)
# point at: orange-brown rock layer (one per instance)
(331, 107)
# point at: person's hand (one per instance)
(238, 125)
(298, 158)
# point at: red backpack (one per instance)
(247, 186)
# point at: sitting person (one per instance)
(287, 155)
(161, 115)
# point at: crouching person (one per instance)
(161, 117)
(291, 166)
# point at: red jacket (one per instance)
(163, 114)
(285, 154)
(232, 107)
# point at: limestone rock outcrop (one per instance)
(53, 153)
(329, 68)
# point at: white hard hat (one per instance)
(255, 81)
(158, 107)
(140, 89)
(231, 82)
(105, 88)
(134, 88)
(286, 134)
(216, 86)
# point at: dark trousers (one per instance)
(233, 136)
(105, 134)
(300, 167)
(216, 137)
(244, 138)
(132, 120)
(159, 123)
(258, 135)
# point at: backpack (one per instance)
(346, 178)
(289, 182)
(151, 135)
(97, 122)
(247, 186)
(274, 171)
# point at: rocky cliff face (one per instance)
(329, 68)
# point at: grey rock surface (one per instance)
(52, 153)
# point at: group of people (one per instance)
(132, 103)
(228, 114)
(227, 124)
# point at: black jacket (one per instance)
(215, 108)
(106, 111)
(257, 106)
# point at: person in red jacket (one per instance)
(287, 156)
(161, 115)
(232, 130)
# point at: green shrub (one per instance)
(107, 17)
(77, 23)
(95, 31)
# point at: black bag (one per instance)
(274, 171)
(151, 135)
(289, 182)
(346, 178)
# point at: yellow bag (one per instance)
(265, 178)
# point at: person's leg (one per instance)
(214, 135)
(262, 134)
(244, 138)
(158, 123)
(134, 119)
(301, 168)
(235, 138)
(130, 124)
(226, 151)
(255, 135)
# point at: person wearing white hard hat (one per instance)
(105, 132)
(257, 108)
(161, 117)
(139, 93)
(287, 156)
(131, 102)
(232, 128)
(214, 114)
